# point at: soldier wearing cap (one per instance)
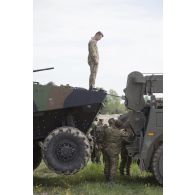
(93, 58)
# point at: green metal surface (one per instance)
(40, 95)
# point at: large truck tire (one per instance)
(66, 150)
(37, 155)
(157, 164)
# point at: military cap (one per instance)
(118, 123)
(111, 121)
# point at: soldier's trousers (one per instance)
(93, 73)
(93, 155)
(96, 154)
(110, 167)
(125, 162)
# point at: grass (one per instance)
(91, 181)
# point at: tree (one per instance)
(113, 104)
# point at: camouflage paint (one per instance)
(40, 96)
(50, 97)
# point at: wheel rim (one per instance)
(66, 151)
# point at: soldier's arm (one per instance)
(124, 135)
(93, 128)
(101, 136)
(103, 131)
(130, 131)
(125, 120)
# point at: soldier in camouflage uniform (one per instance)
(91, 134)
(93, 58)
(126, 160)
(111, 149)
(99, 140)
(91, 142)
(97, 137)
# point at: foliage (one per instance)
(113, 104)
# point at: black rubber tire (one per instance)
(37, 155)
(66, 150)
(157, 164)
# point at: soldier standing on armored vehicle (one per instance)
(93, 58)
(112, 139)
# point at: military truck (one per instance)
(145, 118)
(61, 117)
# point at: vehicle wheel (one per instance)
(37, 155)
(66, 150)
(157, 164)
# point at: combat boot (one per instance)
(90, 88)
(111, 180)
(121, 169)
(128, 166)
(128, 173)
(107, 177)
(121, 173)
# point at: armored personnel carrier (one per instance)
(61, 117)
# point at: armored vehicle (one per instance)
(145, 118)
(61, 117)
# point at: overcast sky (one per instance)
(132, 40)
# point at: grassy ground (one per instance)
(91, 181)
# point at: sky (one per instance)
(132, 40)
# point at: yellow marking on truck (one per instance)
(151, 133)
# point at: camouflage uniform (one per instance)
(125, 160)
(97, 137)
(92, 134)
(93, 61)
(111, 149)
(99, 141)
(91, 142)
(123, 122)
